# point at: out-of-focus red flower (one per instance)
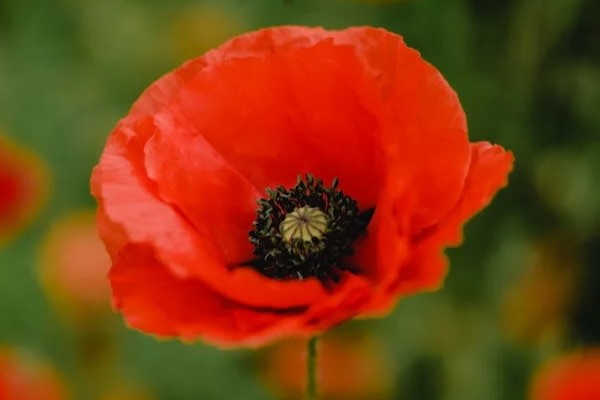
(23, 187)
(74, 266)
(180, 176)
(348, 367)
(23, 379)
(574, 377)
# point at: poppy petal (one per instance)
(276, 117)
(488, 173)
(129, 202)
(425, 131)
(191, 175)
(388, 241)
(113, 235)
(427, 266)
(155, 301)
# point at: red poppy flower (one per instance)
(23, 187)
(20, 378)
(574, 377)
(180, 177)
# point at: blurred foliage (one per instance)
(528, 75)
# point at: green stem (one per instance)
(311, 368)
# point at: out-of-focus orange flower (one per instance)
(537, 305)
(23, 187)
(199, 27)
(21, 378)
(180, 177)
(573, 377)
(74, 266)
(349, 368)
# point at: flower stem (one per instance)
(311, 368)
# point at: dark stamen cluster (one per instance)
(317, 251)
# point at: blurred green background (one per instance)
(524, 287)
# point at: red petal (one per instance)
(276, 117)
(190, 174)
(425, 133)
(128, 201)
(426, 268)
(387, 245)
(488, 173)
(154, 301)
(113, 236)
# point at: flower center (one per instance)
(305, 224)
(306, 231)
